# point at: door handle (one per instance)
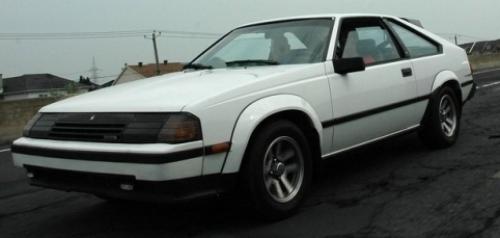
(407, 72)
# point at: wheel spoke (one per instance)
(444, 126)
(292, 168)
(445, 104)
(286, 184)
(277, 149)
(269, 182)
(449, 122)
(268, 165)
(288, 154)
(279, 190)
(447, 128)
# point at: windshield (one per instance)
(291, 42)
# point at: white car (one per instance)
(258, 110)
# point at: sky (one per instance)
(474, 19)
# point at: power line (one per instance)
(461, 35)
(108, 76)
(109, 37)
(191, 33)
(113, 32)
(74, 73)
(71, 35)
(104, 34)
(191, 37)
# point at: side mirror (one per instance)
(348, 65)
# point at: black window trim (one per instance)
(400, 49)
(386, 21)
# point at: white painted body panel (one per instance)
(147, 172)
(377, 86)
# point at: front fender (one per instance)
(257, 112)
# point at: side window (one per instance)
(417, 45)
(366, 38)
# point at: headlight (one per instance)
(29, 125)
(179, 128)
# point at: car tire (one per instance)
(441, 125)
(277, 170)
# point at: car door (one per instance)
(426, 55)
(378, 101)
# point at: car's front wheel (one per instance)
(278, 168)
(441, 126)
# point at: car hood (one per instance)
(170, 92)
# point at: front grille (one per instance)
(85, 131)
(100, 127)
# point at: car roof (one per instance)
(331, 15)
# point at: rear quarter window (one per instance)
(416, 45)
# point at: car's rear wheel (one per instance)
(441, 126)
(277, 169)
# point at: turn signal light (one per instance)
(219, 148)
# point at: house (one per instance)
(107, 84)
(141, 71)
(85, 82)
(38, 86)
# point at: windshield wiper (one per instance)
(251, 62)
(197, 66)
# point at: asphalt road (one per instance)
(396, 188)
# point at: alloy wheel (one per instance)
(283, 169)
(448, 115)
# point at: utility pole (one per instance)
(154, 35)
(94, 70)
(472, 48)
(456, 39)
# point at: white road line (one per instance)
(486, 71)
(489, 85)
(5, 150)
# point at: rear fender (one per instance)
(442, 78)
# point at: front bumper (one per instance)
(128, 188)
(149, 162)
(152, 172)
